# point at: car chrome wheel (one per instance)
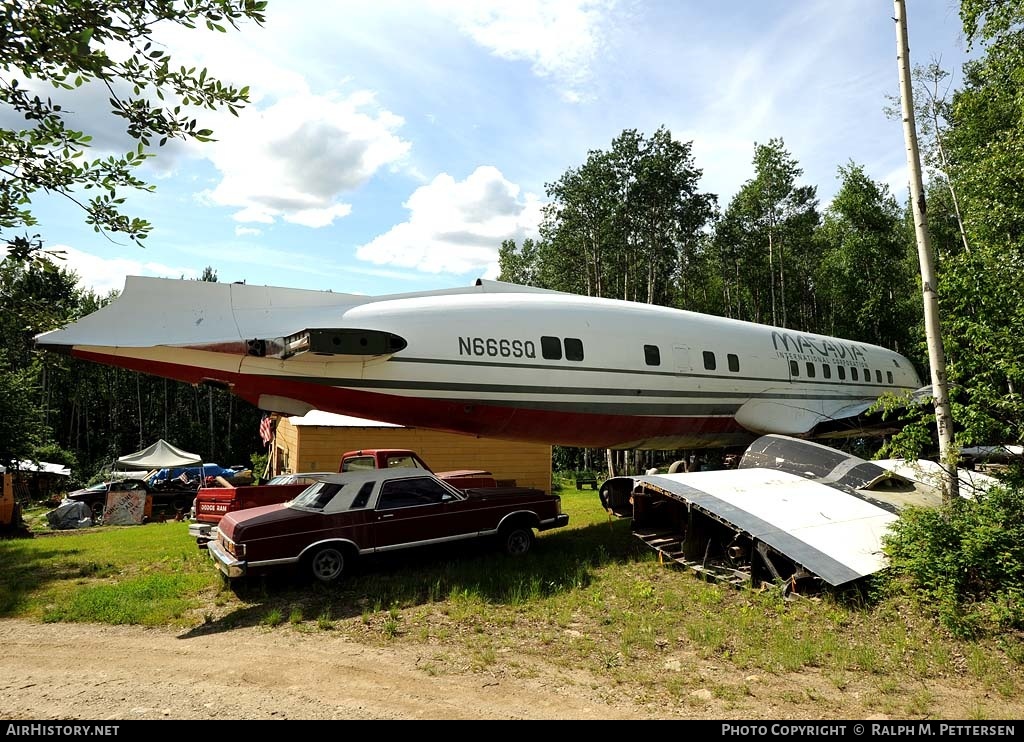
(518, 541)
(327, 564)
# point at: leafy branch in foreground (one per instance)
(69, 44)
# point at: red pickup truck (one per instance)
(389, 458)
(213, 503)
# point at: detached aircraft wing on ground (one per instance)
(794, 512)
(493, 360)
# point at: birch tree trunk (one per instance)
(933, 330)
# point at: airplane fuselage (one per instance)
(497, 361)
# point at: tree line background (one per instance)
(86, 415)
(631, 222)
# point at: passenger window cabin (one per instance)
(794, 369)
(826, 371)
(810, 370)
(734, 362)
(652, 355)
(551, 348)
(853, 374)
(573, 349)
(878, 375)
(888, 376)
(709, 360)
(842, 372)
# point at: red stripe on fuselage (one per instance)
(472, 418)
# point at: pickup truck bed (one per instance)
(213, 503)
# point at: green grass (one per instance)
(273, 618)
(150, 600)
(149, 575)
(589, 597)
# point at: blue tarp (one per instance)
(209, 470)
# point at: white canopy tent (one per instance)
(161, 455)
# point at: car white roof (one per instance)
(368, 475)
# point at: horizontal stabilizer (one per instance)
(159, 311)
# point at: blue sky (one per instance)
(391, 146)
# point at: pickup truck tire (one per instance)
(516, 540)
(327, 564)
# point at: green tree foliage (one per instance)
(63, 45)
(865, 282)
(622, 225)
(34, 298)
(518, 264)
(764, 242)
(967, 562)
(22, 429)
(986, 141)
(980, 289)
(983, 320)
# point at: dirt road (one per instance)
(99, 672)
(76, 671)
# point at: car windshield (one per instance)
(281, 479)
(316, 496)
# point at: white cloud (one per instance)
(316, 218)
(247, 232)
(104, 275)
(457, 226)
(294, 158)
(560, 40)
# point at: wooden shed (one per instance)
(316, 441)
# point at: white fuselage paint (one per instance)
(492, 346)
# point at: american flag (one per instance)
(266, 429)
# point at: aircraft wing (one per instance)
(820, 529)
(793, 507)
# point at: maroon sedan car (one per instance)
(331, 523)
